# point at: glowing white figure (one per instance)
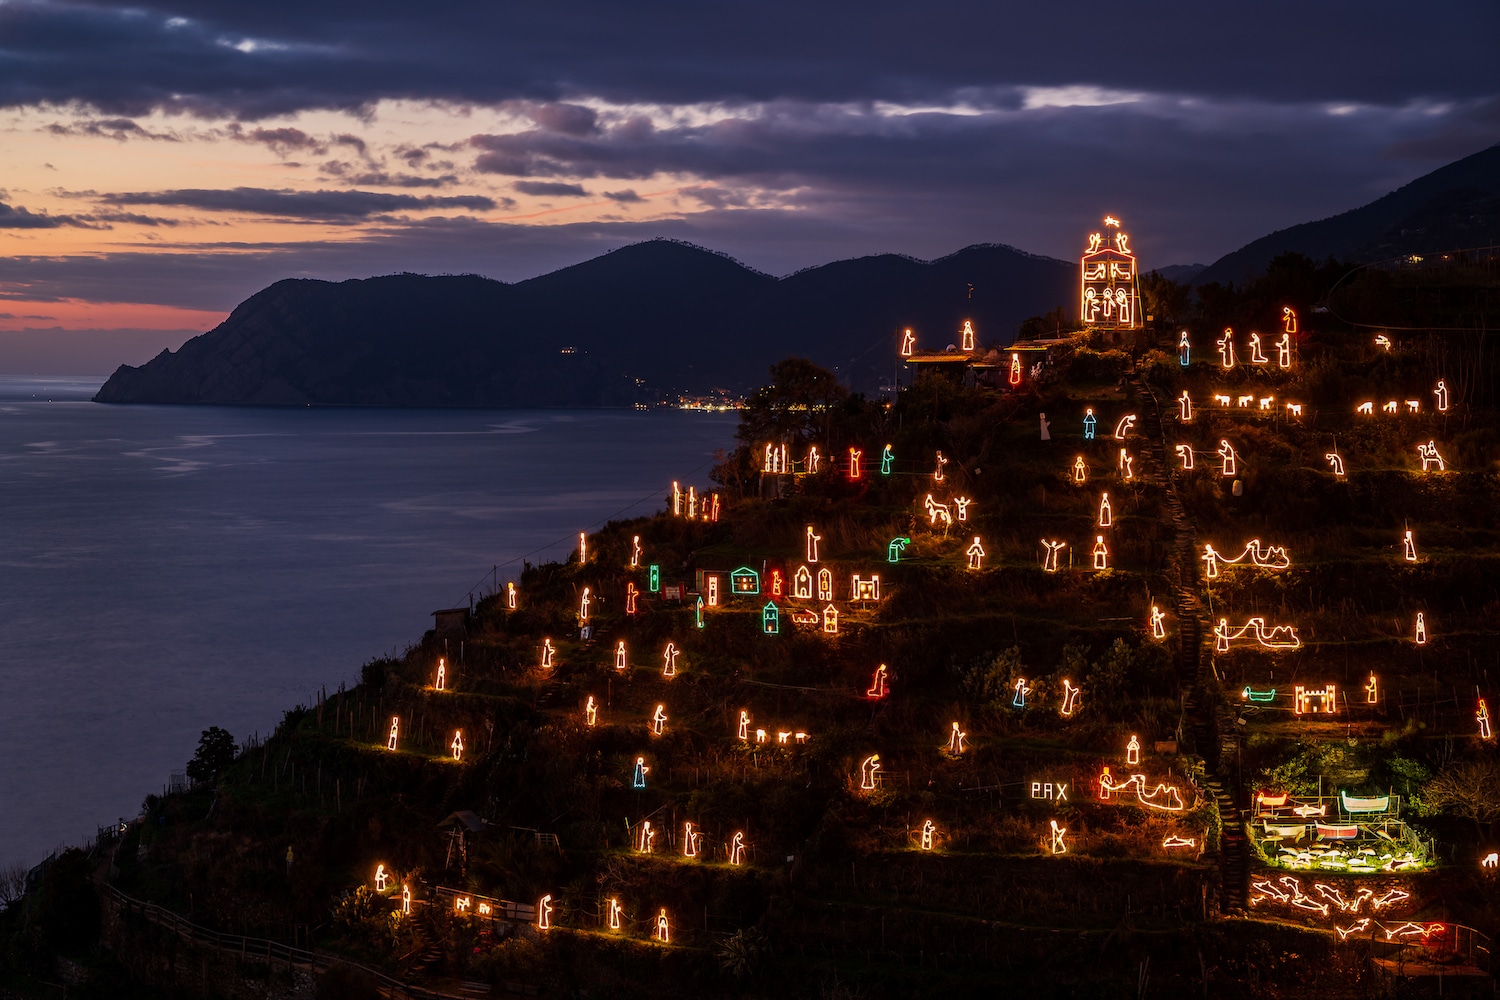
(1101, 553)
(631, 593)
(442, 676)
(1483, 716)
(908, 342)
(390, 743)
(1049, 561)
(663, 927)
(658, 720)
(676, 499)
(1441, 392)
(812, 544)
(975, 552)
(825, 585)
(1226, 453)
(510, 596)
(1273, 557)
(1071, 697)
(1015, 368)
(638, 776)
(381, 878)
(1278, 637)
(1185, 408)
(544, 913)
(620, 655)
(1256, 357)
(692, 503)
(1226, 349)
(867, 772)
(956, 740)
(1284, 351)
(937, 472)
(583, 605)
(1021, 689)
(457, 746)
(548, 651)
(968, 336)
(406, 900)
(1372, 691)
(1184, 350)
(712, 582)
(1185, 452)
(583, 547)
(1337, 461)
(591, 712)
(1410, 545)
(877, 684)
(690, 841)
(928, 830)
(1158, 626)
(737, 848)
(669, 660)
(963, 504)
(742, 731)
(814, 460)
(1127, 465)
(1058, 832)
(1429, 454)
(1105, 513)
(855, 454)
(1421, 634)
(1080, 471)
(1133, 751)
(1124, 426)
(616, 911)
(635, 551)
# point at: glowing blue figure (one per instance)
(770, 618)
(1185, 350)
(1022, 690)
(638, 780)
(1088, 424)
(894, 550)
(886, 458)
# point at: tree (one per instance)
(795, 407)
(215, 753)
(1467, 790)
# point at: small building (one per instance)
(770, 618)
(744, 581)
(451, 623)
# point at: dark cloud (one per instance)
(327, 206)
(623, 197)
(18, 217)
(281, 141)
(118, 129)
(550, 188)
(252, 60)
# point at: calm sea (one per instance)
(165, 569)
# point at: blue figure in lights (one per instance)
(655, 574)
(770, 618)
(1088, 424)
(1184, 350)
(894, 550)
(638, 779)
(698, 609)
(886, 458)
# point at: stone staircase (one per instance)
(1212, 732)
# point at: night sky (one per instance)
(161, 163)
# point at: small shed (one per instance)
(744, 581)
(451, 622)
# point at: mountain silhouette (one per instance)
(645, 322)
(1454, 207)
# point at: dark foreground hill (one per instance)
(1454, 207)
(644, 322)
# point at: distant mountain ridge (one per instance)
(645, 321)
(1454, 207)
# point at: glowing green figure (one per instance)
(894, 550)
(886, 458)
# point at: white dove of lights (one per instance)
(1279, 637)
(1263, 556)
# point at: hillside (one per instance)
(1454, 207)
(1196, 681)
(641, 324)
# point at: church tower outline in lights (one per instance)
(1109, 286)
